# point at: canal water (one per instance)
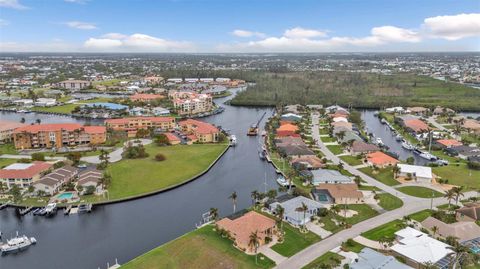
(126, 230)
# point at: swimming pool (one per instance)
(475, 249)
(322, 198)
(65, 195)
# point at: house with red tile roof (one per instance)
(240, 229)
(23, 174)
(172, 139)
(145, 97)
(416, 125)
(58, 135)
(288, 127)
(448, 143)
(380, 159)
(204, 132)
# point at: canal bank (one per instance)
(126, 230)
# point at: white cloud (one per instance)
(245, 33)
(114, 36)
(453, 27)
(81, 25)
(299, 32)
(12, 4)
(395, 34)
(4, 23)
(137, 43)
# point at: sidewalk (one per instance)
(271, 254)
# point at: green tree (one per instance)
(233, 197)
(38, 156)
(253, 243)
(16, 193)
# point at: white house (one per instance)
(419, 248)
(416, 172)
(45, 102)
(397, 109)
(292, 213)
(23, 102)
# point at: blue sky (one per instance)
(239, 26)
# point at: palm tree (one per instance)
(303, 208)
(395, 170)
(458, 193)
(358, 181)
(254, 196)
(233, 196)
(341, 135)
(280, 214)
(253, 243)
(459, 252)
(450, 195)
(214, 213)
(434, 230)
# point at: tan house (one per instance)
(462, 230)
(240, 229)
(470, 212)
(339, 193)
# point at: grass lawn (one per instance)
(202, 249)
(369, 188)
(459, 174)
(383, 175)
(294, 241)
(8, 148)
(5, 162)
(351, 245)
(329, 225)
(421, 215)
(326, 259)
(138, 176)
(328, 139)
(68, 108)
(389, 202)
(335, 149)
(421, 192)
(324, 131)
(351, 160)
(364, 212)
(386, 230)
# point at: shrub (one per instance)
(160, 157)
(37, 156)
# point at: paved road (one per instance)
(411, 205)
(115, 155)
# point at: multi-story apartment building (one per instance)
(23, 174)
(190, 103)
(132, 124)
(58, 135)
(7, 128)
(73, 84)
(200, 131)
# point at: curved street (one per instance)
(410, 205)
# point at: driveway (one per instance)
(115, 155)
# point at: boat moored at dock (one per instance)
(18, 243)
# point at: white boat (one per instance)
(282, 181)
(428, 156)
(407, 145)
(17, 243)
(383, 121)
(233, 140)
(379, 141)
(51, 209)
(398, 137)
(264, 133)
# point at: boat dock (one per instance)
(25, 210)
(2, 206)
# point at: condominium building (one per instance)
(200, 131)
(190, 103)
(132, 124)
(7, 128)
(58, 135)
(23, 174)
(73, 84)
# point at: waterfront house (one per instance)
(347, 125)
(131, 125)
(293, 214)
(348, 137)
(53, 181)
(469, 212)
(447, 143)
(361, 147)
(338, 193)
(472, 126)
(240, 229)
(204, 132)
(294, 150)
(57, 135)
(371, 259)
(412, 124)
(397, 109)
(90, 177)
(463, 152)
(380, 159)
(415, 172)
(329, 176)
(291, 117)
(418, 248)
(443, 110)
(23, 174)
(7, 128)
(417, 110)
(310, 162)
(45, 102)
(288, 127)
(463, 230)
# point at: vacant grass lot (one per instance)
(294, 241)
(364, 212)
(389, 202)
(421, 192)
(386, 230)
(335, 149)
(351, 160)
(324, 261)
(132, 177)
(421, 215)
(202, 249)
(383, 175)
(459, 175)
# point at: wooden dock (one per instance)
(25, 210)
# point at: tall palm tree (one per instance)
(395, 170)
(434, 230)
(214, 213)
(254, 195)
(460, 253)
(253, 243)
(303, 208)
(233, 197)
(450, 195)
(280, 214)
(458, 193)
